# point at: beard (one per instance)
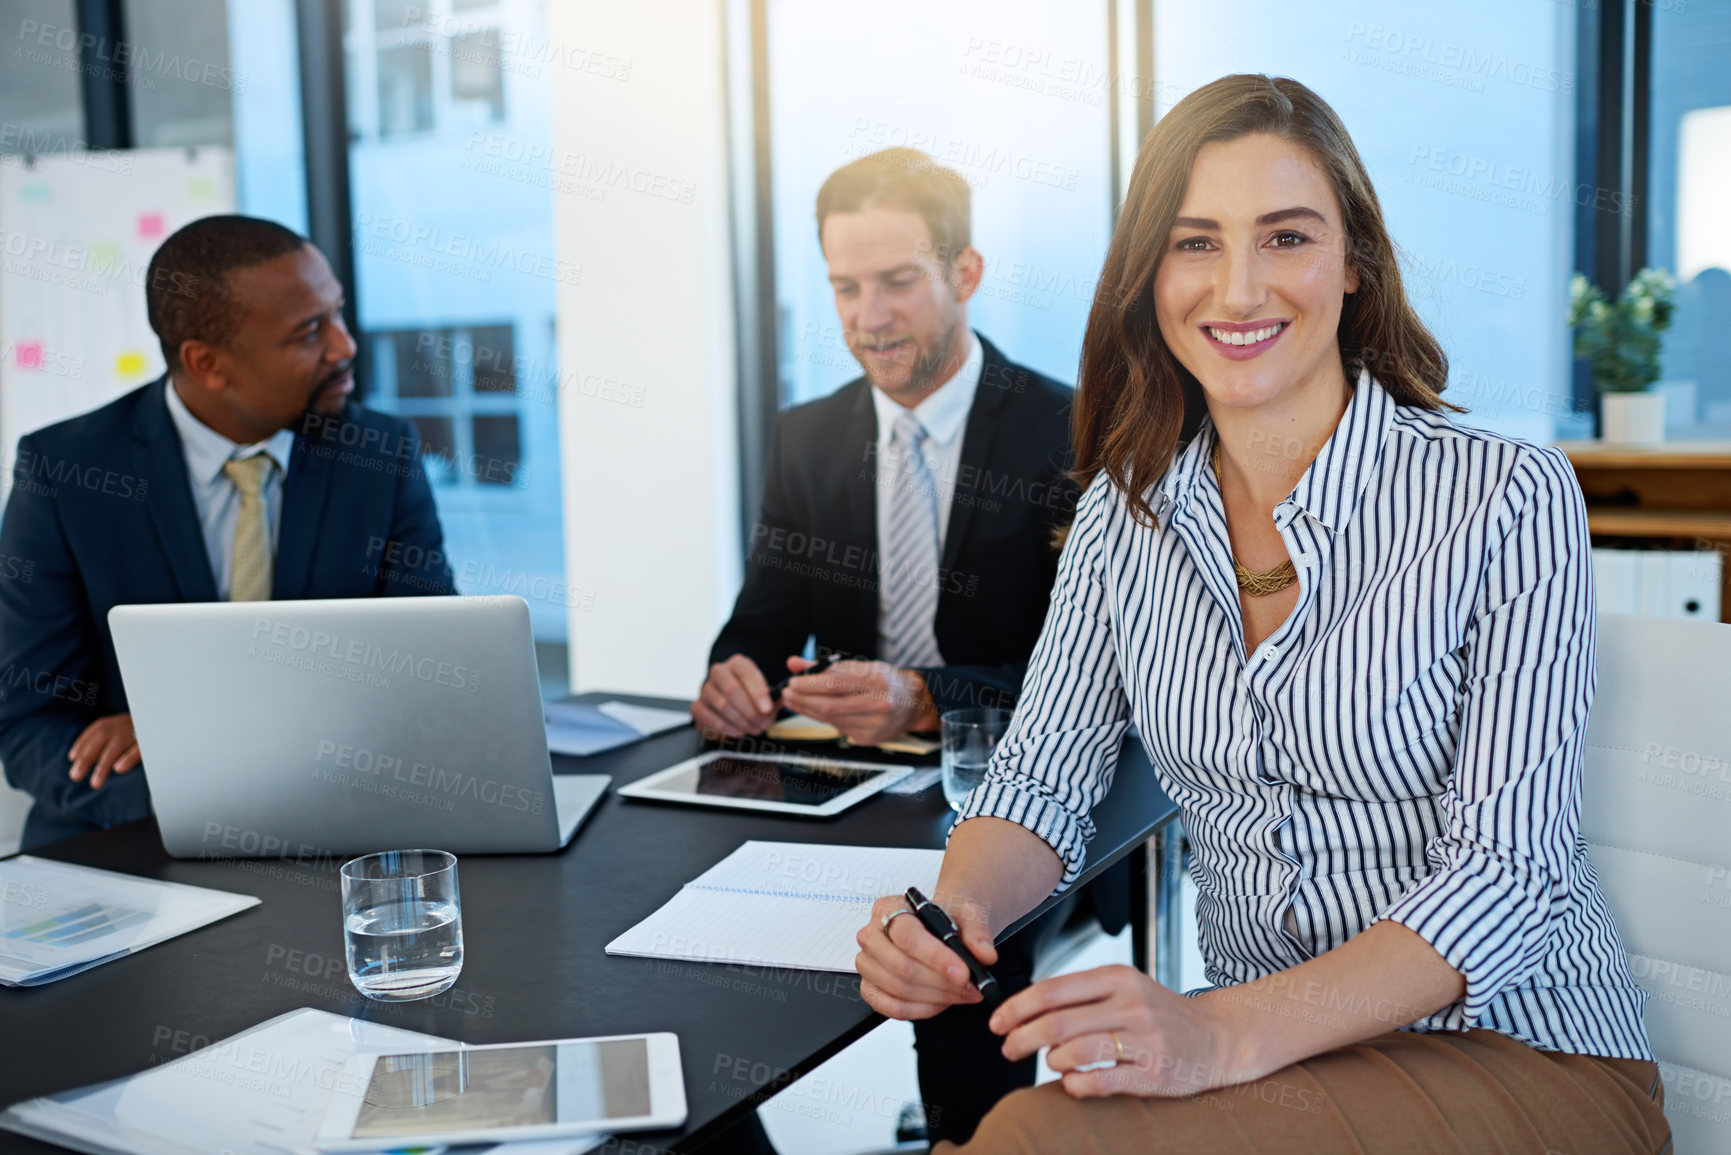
(923, 370)
(324, 402)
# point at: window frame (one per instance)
(1613, 101)
(460, 405)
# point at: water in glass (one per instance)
(960, 776)
(402, 923)
(404, 950)
(968, 738)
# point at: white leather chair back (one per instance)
(1656, 813)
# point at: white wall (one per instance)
(651, 492)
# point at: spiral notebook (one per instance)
(780, 904)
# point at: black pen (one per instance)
(936, 921)
(822, 665)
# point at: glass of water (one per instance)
(402, 923)
(969, 736)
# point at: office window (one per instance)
(405, 89)
(1010, 93)
(432, 64)
(1689, 173)
(201, 72)
(183, 83)
(1464, 115)
(457, 278)
(447, 382)
(497, 373)
(185, 88)
(393, 15)
(39, 84)
(477, 85)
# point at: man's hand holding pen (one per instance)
(869, 702)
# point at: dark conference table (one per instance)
(533, 928)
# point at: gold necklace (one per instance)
(1254, 583)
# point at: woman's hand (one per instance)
(906, 973)
(1165, 1043)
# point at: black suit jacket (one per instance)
(101, 514)
(812, 567)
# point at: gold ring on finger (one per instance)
(1119, 1043)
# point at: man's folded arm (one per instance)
(49, 688)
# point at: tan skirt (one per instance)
(1480, 1091)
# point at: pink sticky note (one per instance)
(150, 226)
(29, 354)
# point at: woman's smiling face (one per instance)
(1250, 287)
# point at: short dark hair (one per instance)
(186, 290)
(903, 178)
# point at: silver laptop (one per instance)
(325, 728)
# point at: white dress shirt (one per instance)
(214, 495)
(1406, 746)
(944, 417)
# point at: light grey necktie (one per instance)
(909, 558)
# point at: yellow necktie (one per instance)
(251, 579)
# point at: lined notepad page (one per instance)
(780, 904)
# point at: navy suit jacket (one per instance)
(101, 515)
(812, 568)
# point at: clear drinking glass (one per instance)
(402, 923)
(969, 736)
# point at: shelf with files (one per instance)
(1670, 495)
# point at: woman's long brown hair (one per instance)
(1135, 404)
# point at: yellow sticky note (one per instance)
(104, 256)
(200, 188)
(129, 364)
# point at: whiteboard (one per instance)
(77, 232)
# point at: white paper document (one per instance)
(646, 720)
(584, 728)
(918, 782)
(261, 1092)
(57, 919)
(780, 904)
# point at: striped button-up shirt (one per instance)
(1405, 746)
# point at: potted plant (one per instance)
(1620, 340)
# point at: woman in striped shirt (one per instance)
(1357, 642)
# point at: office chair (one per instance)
(1656, 813)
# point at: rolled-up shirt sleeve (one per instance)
(1510, 815)
(1056, 761)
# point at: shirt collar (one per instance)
(943, 414)
(1331, 488)
(207, 451)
